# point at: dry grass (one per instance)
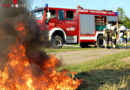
(126, 60)
(122, 85)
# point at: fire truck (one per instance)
(75, 26)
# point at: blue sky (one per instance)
(87, 4)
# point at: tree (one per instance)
(126, 22)
(121, 14)
(123, 18)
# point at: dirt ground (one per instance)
(75, 57)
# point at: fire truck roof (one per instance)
(98, 12)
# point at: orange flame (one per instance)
(21, 28)
(18, 73)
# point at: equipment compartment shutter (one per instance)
(112, 18)
(87, 24)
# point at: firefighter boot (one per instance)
(125, 46)
(105, 44)
(114, 46)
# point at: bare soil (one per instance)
(75, 57)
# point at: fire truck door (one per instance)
(68, 24)
(71, 26)
(61, 18)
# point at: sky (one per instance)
(86, 4)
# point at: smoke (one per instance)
(11, 19)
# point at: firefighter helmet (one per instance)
(122, 28)
(108, 26)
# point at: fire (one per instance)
(21, 28)
(20, 74)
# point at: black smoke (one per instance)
(33, 41)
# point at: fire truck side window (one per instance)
(53, 13)
(70, 15)
(61, 15)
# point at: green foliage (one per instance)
(121, 14)
(125, 20)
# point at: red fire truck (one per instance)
(73, 26)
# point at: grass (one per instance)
(110, 72)
(98, 62)
(67, 48)
(73, 48)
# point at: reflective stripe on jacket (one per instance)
(124, 34)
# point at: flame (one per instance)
(21, 28)
(18, 72)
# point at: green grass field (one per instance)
(73, 48)
(111, 72)
(67, 48)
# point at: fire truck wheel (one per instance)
(57, 42)
(83, 45)
(100, 41)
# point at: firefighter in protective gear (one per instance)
(114, 36)
(106, 35)
(124, 30)
(110, 37)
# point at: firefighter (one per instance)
(106, 35)
(124, 30)
(110, 37)
(114, 36)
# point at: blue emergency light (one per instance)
(116, 13)
(46, 5)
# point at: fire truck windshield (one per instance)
(39, 14)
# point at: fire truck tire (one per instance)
(100, 41)
(57, 42)
(83, 45)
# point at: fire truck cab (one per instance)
(73, 26)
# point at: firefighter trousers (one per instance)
(114, 43)
(125, 42)
(106, 42)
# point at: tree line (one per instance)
(123, 18)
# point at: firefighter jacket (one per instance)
(106, 32)
(110, 33)
(114, 34)
(124, 34)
